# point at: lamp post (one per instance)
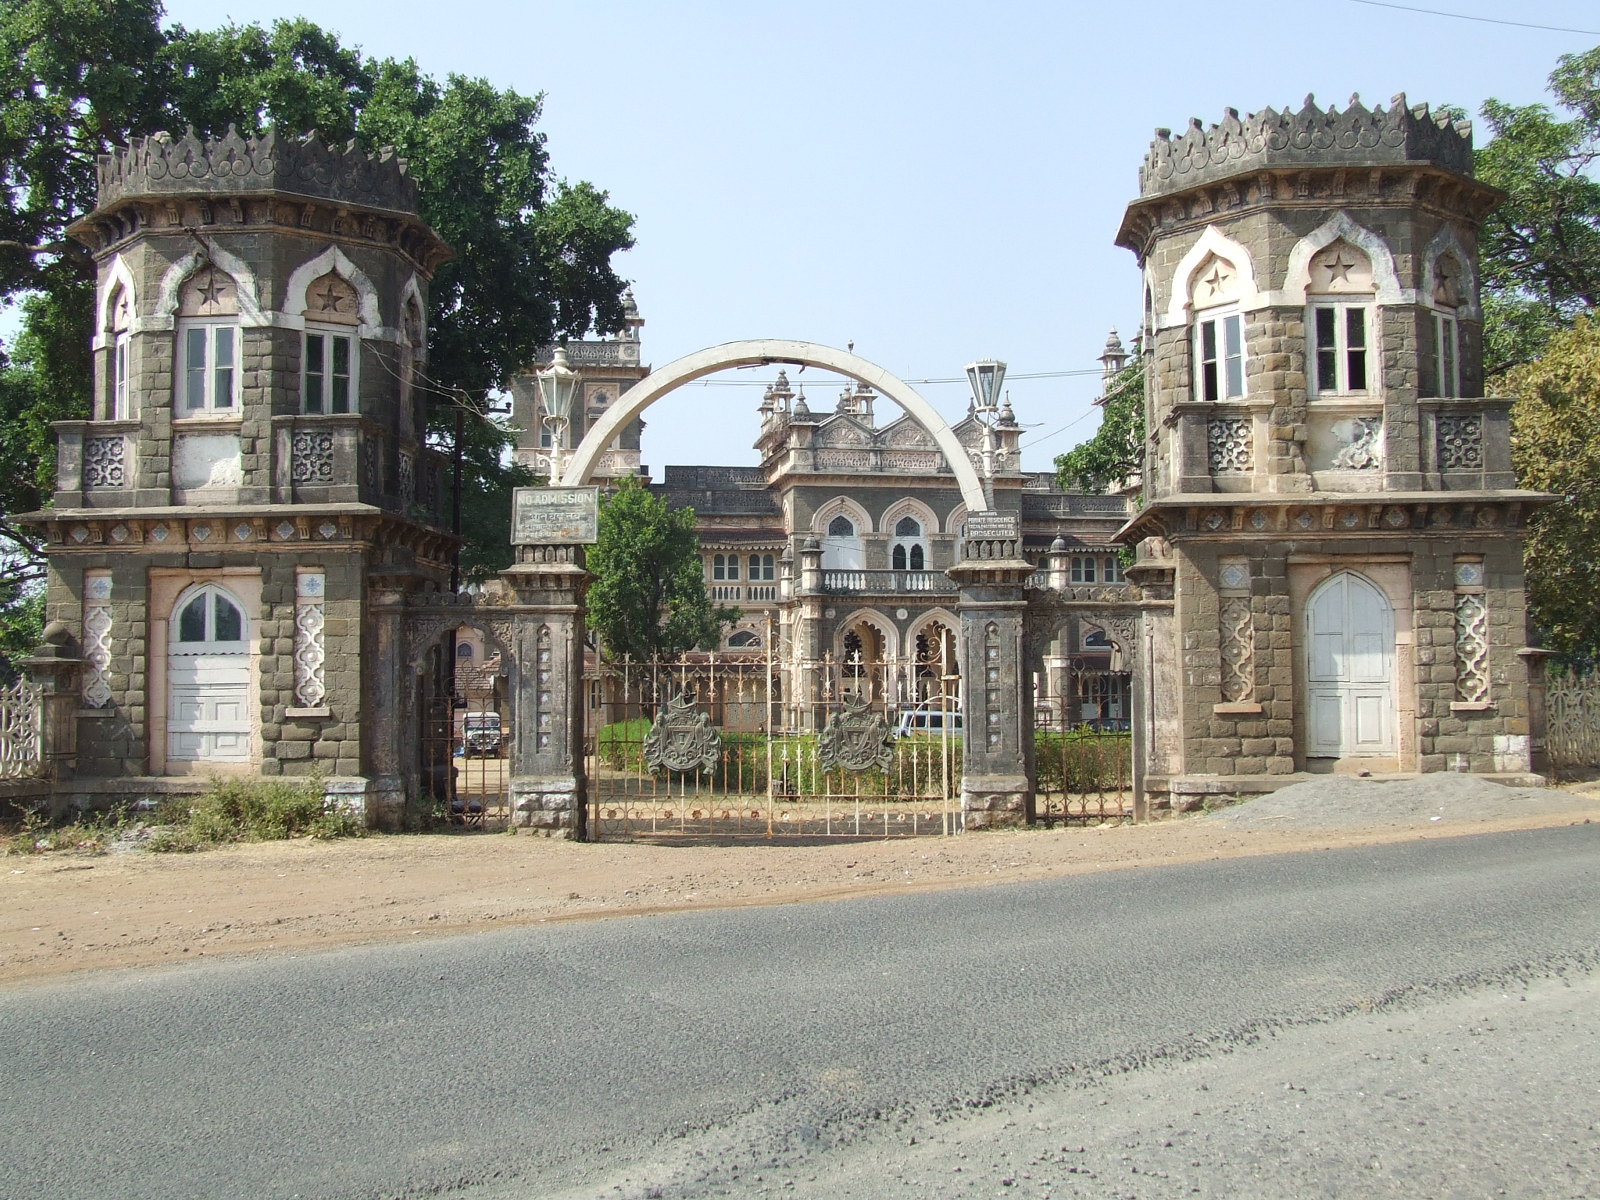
(986, 376)
(558, 390)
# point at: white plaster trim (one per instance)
(1448, 241)
(334, 259)
(953, 522)
(907, 506)
(117, 274)
(1211, 241)
(413, 291)
(830, 509)
(244, 282)
(1385, 283)
(868, 616)
(943, 616)
(761, 352)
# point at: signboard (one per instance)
(991, 526)
(555, 516)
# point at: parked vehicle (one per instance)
(934, 722)
(481, 734)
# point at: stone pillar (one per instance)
(807, 637)
(997, 765)
(390, 723)
(549, 789)
(53, 669)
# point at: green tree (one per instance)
(1556, 448)
(1540, 250)
(1116, 451)
(78, 77)
(648, 599)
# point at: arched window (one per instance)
(744, 639)
(763, 568)
(1219, 351)
(464, 651)
(1340, 313)
(841, 549)
(725, 567)
(119, 316)
(208, 345)
(411, 351)
(328, 367)
(909, 552)
(210, 618)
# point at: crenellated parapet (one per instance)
(161, 165)
(1313, 137)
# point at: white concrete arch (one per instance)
(1447, 241)
(868, 616)
(909, 506)
(244, 279)
(413, 292)
(1212, 241)
(831, 508)
(335, 260)
(956, 519)
(759, 352)
(1385, 282)
(118, 277)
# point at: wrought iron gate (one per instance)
(464, 726)
(708, 746)
(1083, 748)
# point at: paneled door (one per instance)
(1350, 676)
(208, 680)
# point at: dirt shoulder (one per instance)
(65, 913)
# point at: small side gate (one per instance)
(707, 746)
(1083, 750)
(464, 723)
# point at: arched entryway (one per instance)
(1350, 669)
(209, 713)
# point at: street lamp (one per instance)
(558, 389)
(986, 377)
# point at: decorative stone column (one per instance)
(53, 669)
(390, 721)
(997, 766)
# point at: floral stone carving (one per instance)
(855, 739)
(681, 739)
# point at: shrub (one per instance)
(1083, 760)
(252, 810)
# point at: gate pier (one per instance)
(997, 774)
(549, 789)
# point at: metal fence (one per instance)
(1572, 719)
(20, 714)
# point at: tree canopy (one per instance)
(648, 599)
(1116, 451)
(78, 77)
(1540, 251)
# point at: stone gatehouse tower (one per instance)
(1325, 478)
(253, 472)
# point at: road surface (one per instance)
(1417, 1019)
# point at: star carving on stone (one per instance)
(1339, 269)
(1217, 280)
(210, 291)
(329, 299)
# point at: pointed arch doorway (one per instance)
(1350, 650)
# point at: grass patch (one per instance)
(85, 834)
(251, 810)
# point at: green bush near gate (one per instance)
(1082, 761)
(252, 810)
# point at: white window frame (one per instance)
(1219, 321)
(121, 368)
(763, 568)
(1083, 568)
(1446, 338)
(221, 396)
(1111, 570)
(1341, 349)
(330, 335)
(725, 568)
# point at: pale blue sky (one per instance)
(937, 182)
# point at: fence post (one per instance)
(53, 669)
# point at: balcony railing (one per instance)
(755, 593)
(887, 583)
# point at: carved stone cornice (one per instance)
(1398, 515)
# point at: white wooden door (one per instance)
(1350, 676)
(208, 681)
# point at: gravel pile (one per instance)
(1341, 802)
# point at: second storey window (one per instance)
(762, 568)
(1446, 360)
(725, 567)
(1083, 569)
(1219, 355)
(1342, 341)
(329, 372)
(208, 371)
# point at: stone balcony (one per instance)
(886, 583)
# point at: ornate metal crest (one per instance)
(681, 738)
(855, 739)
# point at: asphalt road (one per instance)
(1136, 1033)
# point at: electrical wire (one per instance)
(1435, 12)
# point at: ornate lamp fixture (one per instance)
(986, 377)
(558, 391)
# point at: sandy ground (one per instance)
(64, 912)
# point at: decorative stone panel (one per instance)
(1472, 648)
(311, 457)
(207, 460)
(1363, 449)
(1460, 442)
(96, 639)
(310, 684)
(1228, 446)
(104, 462)
(408, 478)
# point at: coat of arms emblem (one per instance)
(681, 738)
(855, 739)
